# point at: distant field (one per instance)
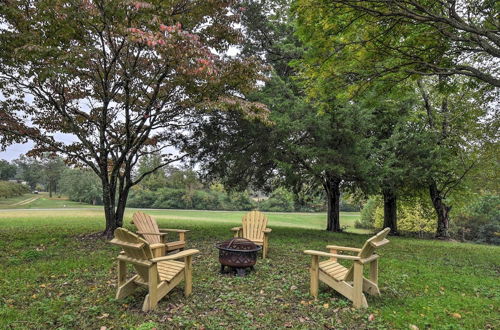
(95, 213)
(179, 217)
(41, 200)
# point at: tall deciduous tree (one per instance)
(53, 167)
(119, 76)
(455, 125)
(81, 185)
(30, 170)
(323, 145)
(423, 37)
(7, 170)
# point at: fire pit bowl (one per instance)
(239, 254)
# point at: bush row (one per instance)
(479, 221)
(172, 198)
(280, 200)
(11, 189)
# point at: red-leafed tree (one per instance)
(123, 78)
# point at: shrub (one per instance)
(280, 200)
(176, 198)
(479, 221)
(367, 219)
(11, 189)
(415, 216)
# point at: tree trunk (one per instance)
(332, 189)
(442, 211)
(115, 200)
(108, 197)
(50, 189)
(390, 211)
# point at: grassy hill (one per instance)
(54, 276)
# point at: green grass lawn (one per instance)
(52, 276)
(40, 200)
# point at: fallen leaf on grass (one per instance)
(371, 317)
(103, 316)
(456, 315)
(288, 325)
(326, 305)
(413, 327)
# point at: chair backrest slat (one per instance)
(147, 224)
(253, 224)
(134, 247)
(369, 248)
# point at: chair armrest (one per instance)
(331, 255)
(371, 258)
(179, 255)
(379, 244)
(147, 233)
(342, 248)
(236, 229)
(174, 230)
(156, 245)
(267, 230)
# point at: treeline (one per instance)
(12, 189)
(50, 173)
(477, 220)
(347, 117)
(167, 188)
(181, 188)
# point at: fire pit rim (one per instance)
(218, 246)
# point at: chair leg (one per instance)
(152, 296)
(359, 299)
(188, 276)
(265, 246)
(314, 276)
(373, 283)
(125, 287)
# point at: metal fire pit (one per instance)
(239, 254)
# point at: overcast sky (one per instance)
(12, 152)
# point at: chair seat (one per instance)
(167, 270)
(333, 269)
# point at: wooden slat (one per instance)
(379, 244)
(169, 269)
(147, 224)
(253, 224)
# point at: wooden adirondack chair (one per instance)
(254, 228)
(348, 281)
(159, 275)
(148, 229)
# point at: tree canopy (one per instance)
(119, 76)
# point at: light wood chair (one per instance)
(159, 275)
(254, 228)
(348, 281)
(157, 237)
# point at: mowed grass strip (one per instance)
(299, 220)
(51, 276)
(40, 200)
